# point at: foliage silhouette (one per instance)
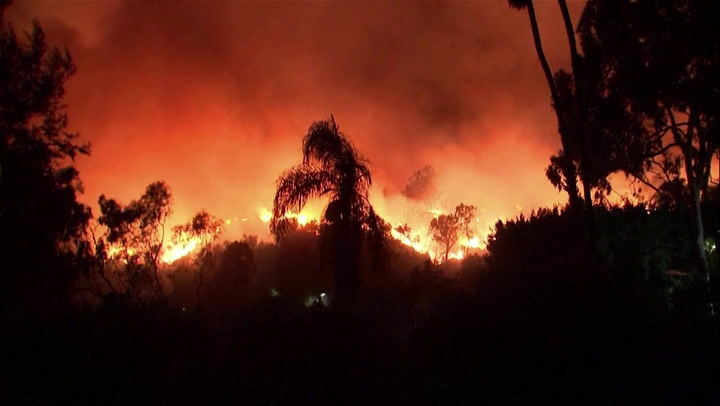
(331, 167)
(465, 215)
(444, 230)
(526, 323)
(447, 229)
(661, 66)
(41, 221)
(137, 233)
(562, 172)
(203, 230)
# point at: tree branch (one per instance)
(674, 126)
(653, 187)
(660, 151)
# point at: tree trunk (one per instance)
(347, 276)
(580, 117)
(571, 187)
(698, 230)
(693, 172)
(694, 178)
(570, 175)
(158, 284)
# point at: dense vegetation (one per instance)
(591, 302)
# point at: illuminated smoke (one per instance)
(214, 98)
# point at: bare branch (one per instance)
(653, 187)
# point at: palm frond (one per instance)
(363, 175)
(363, 168)
(325, 144)
(294, 188)
(331, 149)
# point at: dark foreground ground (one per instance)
(509, 348)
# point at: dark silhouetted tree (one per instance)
(136, 233)
(465, 215)
(658, 58)
(671, 193)
(41, 221)
(377, 236)
(575, 112)
(564, 174)
(404, 230)
(204, 230)
(331, 168)
(445, 231)
(252, 240)
(237, 262)
(235, 270)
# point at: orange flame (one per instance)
(179, 250)
(302, 218)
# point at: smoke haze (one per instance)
(215, 97)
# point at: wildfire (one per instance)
(435, 212)
(302, 218)
(419, 239)
(473, 243)
(172, 253)
(113, 251)
(265, 215)
(177, 251)
(459, 255)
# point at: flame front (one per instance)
(177, 251)
(420, 240)
(265, 215)
(302, 218)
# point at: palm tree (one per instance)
(567, 166)
(332, 168)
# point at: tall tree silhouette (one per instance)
(41, 222)
(331, 168)
(444, 230)
(447, 229)
(563, 161)
(659, 60)
(577, 107)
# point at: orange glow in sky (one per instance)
(219, 111)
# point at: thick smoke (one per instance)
(214, 97)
